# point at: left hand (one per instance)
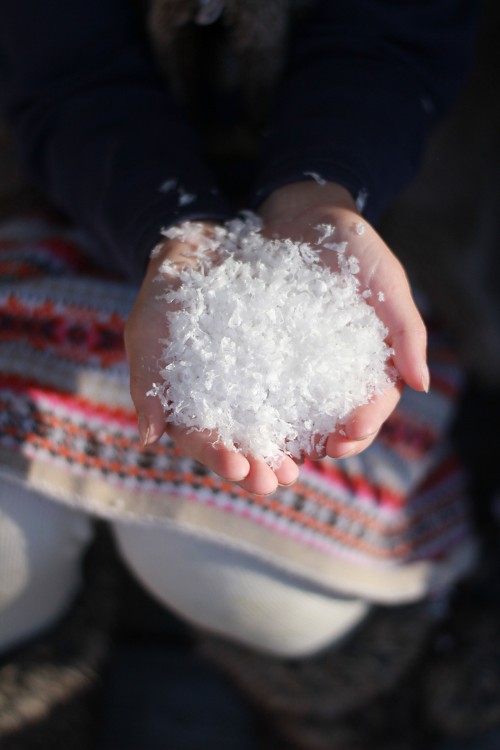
(145, 331)
(295, 211)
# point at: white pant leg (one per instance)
(41, 545)
(230, 593)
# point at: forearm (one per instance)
(97, 129)
(367, 81)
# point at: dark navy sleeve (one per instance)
(366, 82)
(96, 126)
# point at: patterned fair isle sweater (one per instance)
(390, 524)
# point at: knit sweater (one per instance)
(355, 88)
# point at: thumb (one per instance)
(143, 348)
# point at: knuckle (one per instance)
(420, 330)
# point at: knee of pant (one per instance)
(230, 593)
(41, 544)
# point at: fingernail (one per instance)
(364, 437)
(352, 451)
(144, 426)
(288, 484)
(426, 378)
(349, 454)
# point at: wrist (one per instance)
(290, 201)
(296, 210)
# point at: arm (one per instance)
(295, 211)
(99, 133)
(96, 127)
(145, 328)
(366, 82)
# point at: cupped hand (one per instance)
(296, 211)
(144, 332)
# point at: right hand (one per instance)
(295, 211)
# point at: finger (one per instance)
(318, 449)
(363, 426)
(261, 479)
(366, 420)
(287, 472)
(142, 357)
(150, 413)
(201, 446)
(347, 448)
(410, 343)
(399, 313)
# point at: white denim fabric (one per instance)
(210, 585)
(41, 546)
(226, 591)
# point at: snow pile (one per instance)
(267, 347)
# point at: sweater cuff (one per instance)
(318, 169)
(143, 230)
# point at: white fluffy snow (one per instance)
(316, 177)
(267, 347)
